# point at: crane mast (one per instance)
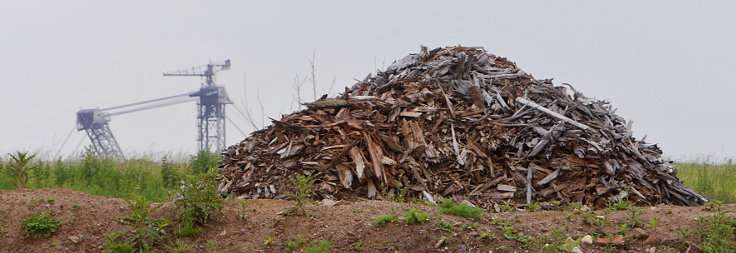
(210, 105)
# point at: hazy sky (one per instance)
(667, 65)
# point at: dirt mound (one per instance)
(459, 123)
(348, 225)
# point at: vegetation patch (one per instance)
(40, 225)
(450, 207)
(381, 221)
(416, 216)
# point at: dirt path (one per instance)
(87, 218)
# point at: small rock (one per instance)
(224, 232)
(639, 233)
(651, 250)
(615, 240)
(76, 239)
(440, 242)
(587, 239)
(585, 209)
(577, 250)
(328, 202)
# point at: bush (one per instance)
(198, 199)
(416, 216)
(450, 207)
(169, 175)
(146, 232)
(203, 162)
(323, 246)
(20, 167)
(40, 225)
(303, 186)
(381, 221)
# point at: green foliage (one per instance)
(618, 205)
(532, 207)
(131, 179)
(203, 162)
(169, 175)
(381, 221)
(358, 246)
(198, 199)
(510, 233)
(443, 227)
(40, 225)
(450, 207)
(395, 194)
(716, 181)
(188, 230)
(180, 247)
(19, 168)
(323, 246)
(302, 187)
(416, 216)
(486, 236)
(147, 232)
(653, 223)
(244, 208)
(717, 233)
(714, 206)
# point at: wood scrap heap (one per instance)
(460, 123)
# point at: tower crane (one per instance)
(211, 105)
(211, 101)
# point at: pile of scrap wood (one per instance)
(455, 122)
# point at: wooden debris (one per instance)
(459, 123)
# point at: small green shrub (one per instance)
(532, 207)
(40, 225)
(450, 207)
(323, 246)
(146, 232)
(381, 221)
(20, 167)
(358, 246)
(203, 162)
(443, 227)
(180, 247)
(303, 186)
(198, 200)
(618, 205)
(486, 236)
(188, 230)
(416, 216)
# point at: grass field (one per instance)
(155, 180)
(131, 179)
(715, 181)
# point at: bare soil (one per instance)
(83, 228)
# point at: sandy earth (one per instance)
(344, 224)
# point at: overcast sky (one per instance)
(667, 65)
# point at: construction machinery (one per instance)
(211, 101)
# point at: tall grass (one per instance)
(131, 179)
(715, 181)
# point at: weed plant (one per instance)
(302, 188)
(40, 225)
(381, 221)
(416, 216)
(197, 201)
(146, 232)
(450, 207)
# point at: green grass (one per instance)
(131, 179)
(450, 207)
(715, 181)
